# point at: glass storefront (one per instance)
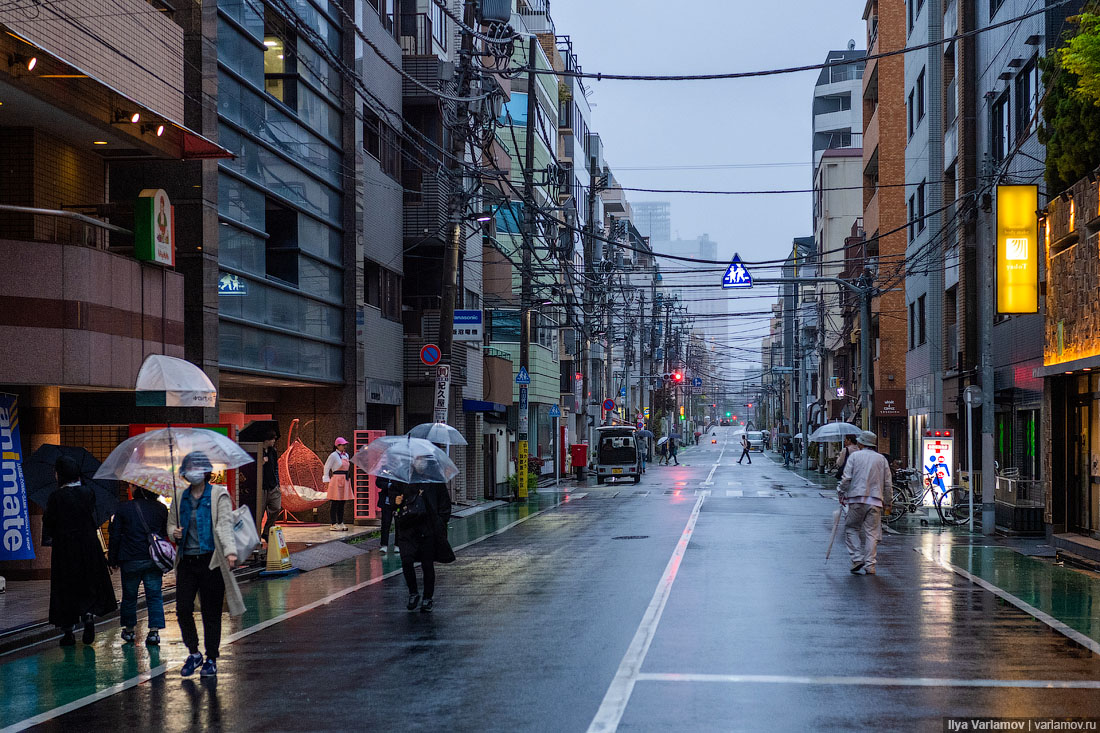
(1075, 453)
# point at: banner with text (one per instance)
(15, 541)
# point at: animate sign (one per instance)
(15, 525)
(155, 227)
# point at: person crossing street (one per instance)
(745, 447)
(864, 489)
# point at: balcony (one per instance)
(427, 199)
(420, 36)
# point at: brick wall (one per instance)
(128, 45)
(1073, 275)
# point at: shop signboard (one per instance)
(890, 403)
(15, 530)
(1018, 249)
(937, 461)
(442, 392)
(155, 228)
(468, 326)
(521, 469)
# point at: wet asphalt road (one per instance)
(531, 625)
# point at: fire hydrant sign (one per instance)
(937, 463)
(442, 391)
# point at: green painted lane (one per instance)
(1069, 596)
(48, 677)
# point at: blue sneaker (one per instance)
(209, 668)
(194, 661)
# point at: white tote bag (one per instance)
(244, 532)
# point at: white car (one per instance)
(756, 440)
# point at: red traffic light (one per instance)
(579, 376)
(677, 376)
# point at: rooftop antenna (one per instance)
(851, 44)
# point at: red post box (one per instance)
(578, 456)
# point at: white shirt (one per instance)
(333, 464)
(866, 478)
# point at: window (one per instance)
(439, 24)
(280, 52)
(1027, 99)
(372, 134)
(911, 109)
(504, 326)
(281, 248)
(912, 326)
(473, 300)
(1001, 133)
(920, 97)
(382, 289)
(912, 217)
(994, 6)
(921, 325)
(920, 206)
(381, 142)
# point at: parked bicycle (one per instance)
(952, 503)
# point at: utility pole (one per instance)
(522, 437)
(458, 209)
(589, 278)
(986, 256)
(804, 382)
(641, 355)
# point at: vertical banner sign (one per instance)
(521, 469)
(937, 462)
(15, 527)
(1017, 249)
(523, 379)
(442, 391)
(155, 227)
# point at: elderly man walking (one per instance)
(864, 488)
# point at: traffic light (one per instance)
(750, 405)
(728, 414)
(677, 377)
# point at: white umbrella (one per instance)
(165, 381)
(150, 459)
(832, 537)
(833, 432)
(438, 432)
(406, 459)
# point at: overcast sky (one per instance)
(738, 122)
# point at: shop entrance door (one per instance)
(1084, 509)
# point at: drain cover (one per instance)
(631, 537)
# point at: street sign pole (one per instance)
(972, 396)
(523, 379)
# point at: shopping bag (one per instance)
(244, 532)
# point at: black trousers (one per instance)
(337, 511)
(744, 455)
(193, 575)
(387, 521)
(409, 572)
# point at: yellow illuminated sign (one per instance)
(521, 469)
(1017, 249)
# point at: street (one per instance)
(698, 600)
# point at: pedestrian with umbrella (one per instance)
(673, 447)
(864, 488)
(643, 437)
(80, 584)
(423, 510)
(130, 532)
(40, 472)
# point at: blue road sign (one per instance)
(622, 391)
(523, 377)
(555, 411)
(737, 275)
(609, 404)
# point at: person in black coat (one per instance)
(388, 491)
(80, 584)
(425, 509)
(129, 551)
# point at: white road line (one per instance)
(734, 492)
(618, 694)
(157, 671)
(769, 679)
(710, 476)
(1024, 606)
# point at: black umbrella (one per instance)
(38, 471)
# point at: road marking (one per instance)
(710, 476)
(164, 668)
(618, 694)
(734, 492)
(769, 679)
(1074, 634)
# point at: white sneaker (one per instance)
(343, 527)
(396, 549)
(334, 528)
(384, 549)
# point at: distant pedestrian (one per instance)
(338, 477)
(850, 447)
(202, 525)
(662, 453)
(80, 584)
(788, 449)
(745, 448)
(388, 491)
(425, 509)
(643, 451)
(272, 500)
(129, 551)
(864, 489)
(673, 448)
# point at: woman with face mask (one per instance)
(201, 523)
(338, 477)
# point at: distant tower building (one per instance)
(653, 219)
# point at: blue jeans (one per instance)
(154, 598)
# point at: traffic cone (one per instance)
(278, 556)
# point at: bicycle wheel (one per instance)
(957, 511)
(899, 508)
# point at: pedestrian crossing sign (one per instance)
(737, 275)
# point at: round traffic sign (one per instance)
(609, 404)
(430, 354)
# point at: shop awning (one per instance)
(1068, 367)
(482, 406)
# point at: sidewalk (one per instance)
(45, 677)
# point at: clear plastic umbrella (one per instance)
(833, 432)
(406, 459)
(150, 459)
(438, 432)
(170, 382)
